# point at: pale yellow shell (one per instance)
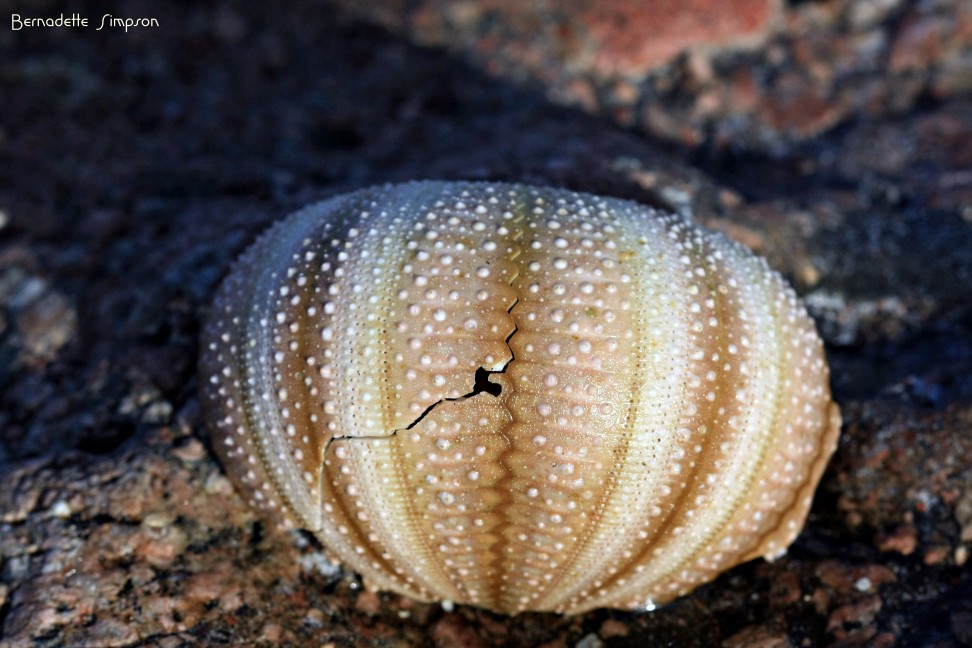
(516, 397)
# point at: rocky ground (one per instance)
(134, 166)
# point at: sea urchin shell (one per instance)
(516, 397)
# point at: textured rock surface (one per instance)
(134, 168)
(609, 40)
(756, 74)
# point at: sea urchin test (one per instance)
(517, 397)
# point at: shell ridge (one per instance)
(331, 535)
(229, 332)
(791, 517)
(510, 571)
(345, 528)
(609, 491)
(405, 543)
(775, 411)
(428, 198)
(497, 589)
(654, 577)
(661, 527)
(259, 375)
(604, 558)
(771, 380)
(235, 449)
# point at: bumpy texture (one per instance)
(517, 397)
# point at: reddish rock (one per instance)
(787, 71)
(845, 580)
(903, 539)
(937, 555)
(612, 38)
(930, 35)
(613, 628)
(453, 632)
(368, 603)
(758, 637)
(785, 589)
(902, 463)
(799, 108)
(632, 37)
(853, 624)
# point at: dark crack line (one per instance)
(481, 384)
